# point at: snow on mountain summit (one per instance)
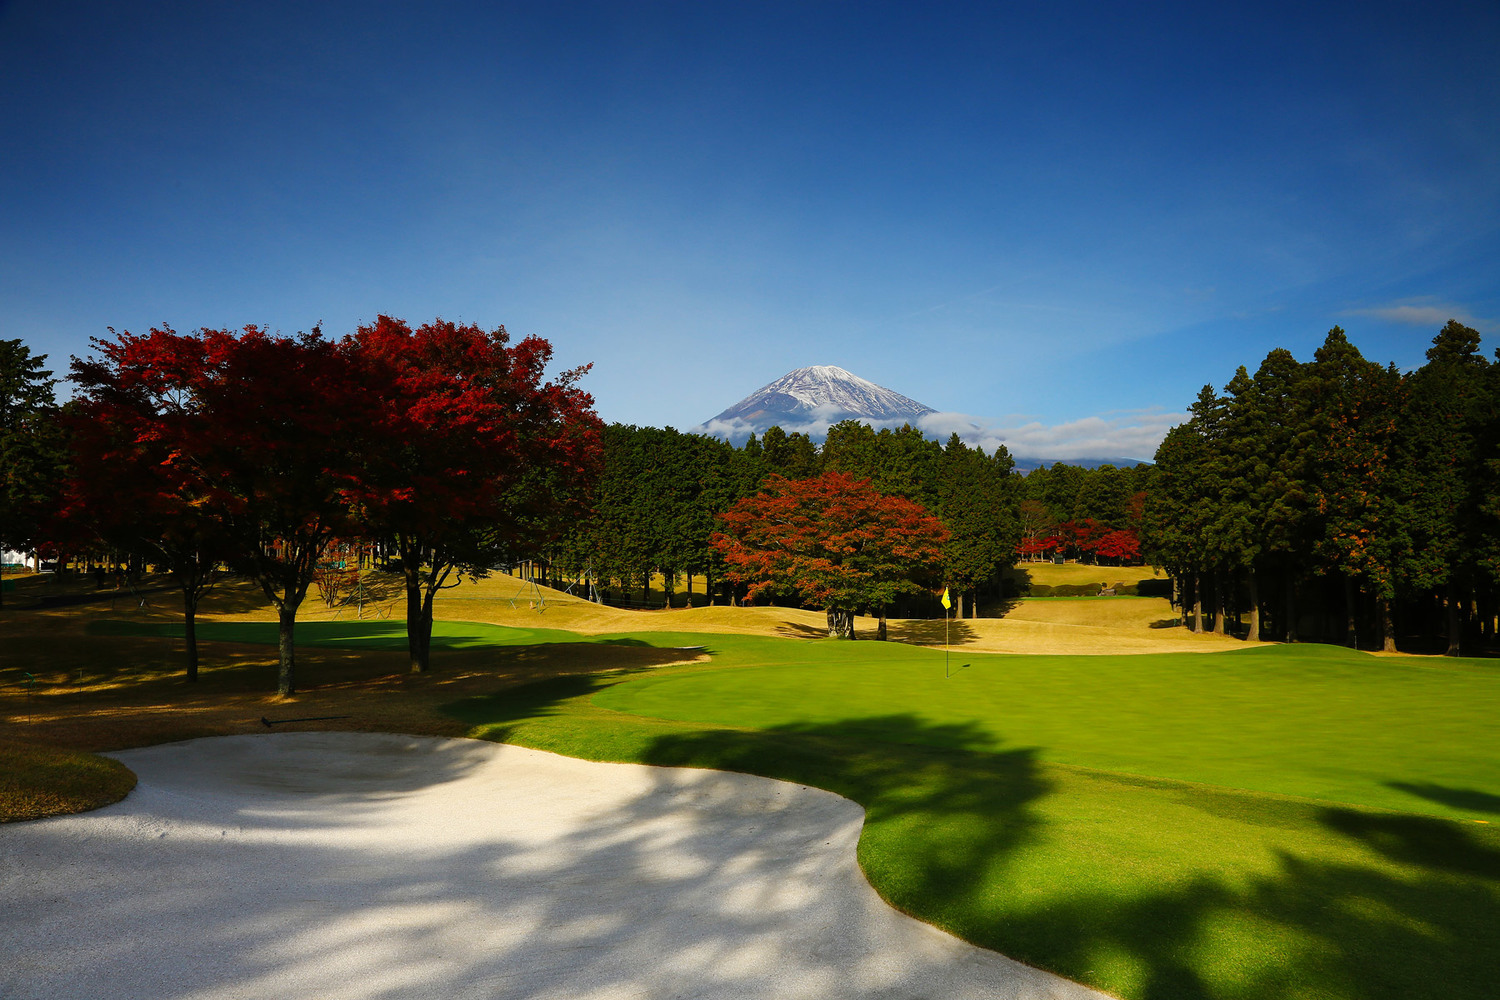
(811, 399)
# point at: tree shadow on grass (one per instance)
(1350, 904)
(1458, 798)
(1425, 929)
(916, 631)
(931, 632)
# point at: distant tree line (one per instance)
(1093, 515)
(1339, 499)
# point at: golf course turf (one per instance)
(1291, 821)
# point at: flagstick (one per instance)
(945, 643)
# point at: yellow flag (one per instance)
(946, 603)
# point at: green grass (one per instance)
(1314, 721)
(1294, 821)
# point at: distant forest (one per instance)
(657, 502)
(1336, 500)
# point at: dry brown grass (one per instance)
(1054, 575)
(1044, 626)
(37, 781)
(64, 688)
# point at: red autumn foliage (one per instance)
(1123, 546)
(474, 454)
(834, 540)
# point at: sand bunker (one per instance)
(350, 865)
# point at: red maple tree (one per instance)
(836, 541)
(1122, 545)
(133, 484)
(474, 456)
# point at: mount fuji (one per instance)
(810, 399)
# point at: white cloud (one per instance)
(1131, 434)
(1418, 312)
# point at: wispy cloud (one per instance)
(1131, 434)
(1419, 312)
(1122, 435)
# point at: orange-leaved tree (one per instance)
(836, 541)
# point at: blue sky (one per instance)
(1061, 217)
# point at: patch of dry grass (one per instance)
(38, 781)
(64, 688)
(1055, 575)
(1093, 626)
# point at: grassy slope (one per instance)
(1314, 721)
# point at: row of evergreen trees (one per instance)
(661, 491)
(1339, 499)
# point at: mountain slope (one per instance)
(811, 399)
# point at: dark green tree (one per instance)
(976, 502)
(33, 447)
(1441, 467)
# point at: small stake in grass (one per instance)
(312, 718)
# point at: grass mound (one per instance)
(38, 781)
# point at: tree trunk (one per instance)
(1291, 607)
(1218, 609)
(960, 606)
(190, 632)
(1254, 634)
(1454, 641)
(1197, 602)
(286, 679)
(1351, 629)
(414, 603)
(690, 590)
(880, 629)
(1387, 626)
(424, 631)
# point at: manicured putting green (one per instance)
(1319, 722)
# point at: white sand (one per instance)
(345, 865)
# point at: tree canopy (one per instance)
(836, 541)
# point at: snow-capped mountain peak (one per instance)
(813, 398)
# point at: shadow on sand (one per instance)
(1410, 909)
